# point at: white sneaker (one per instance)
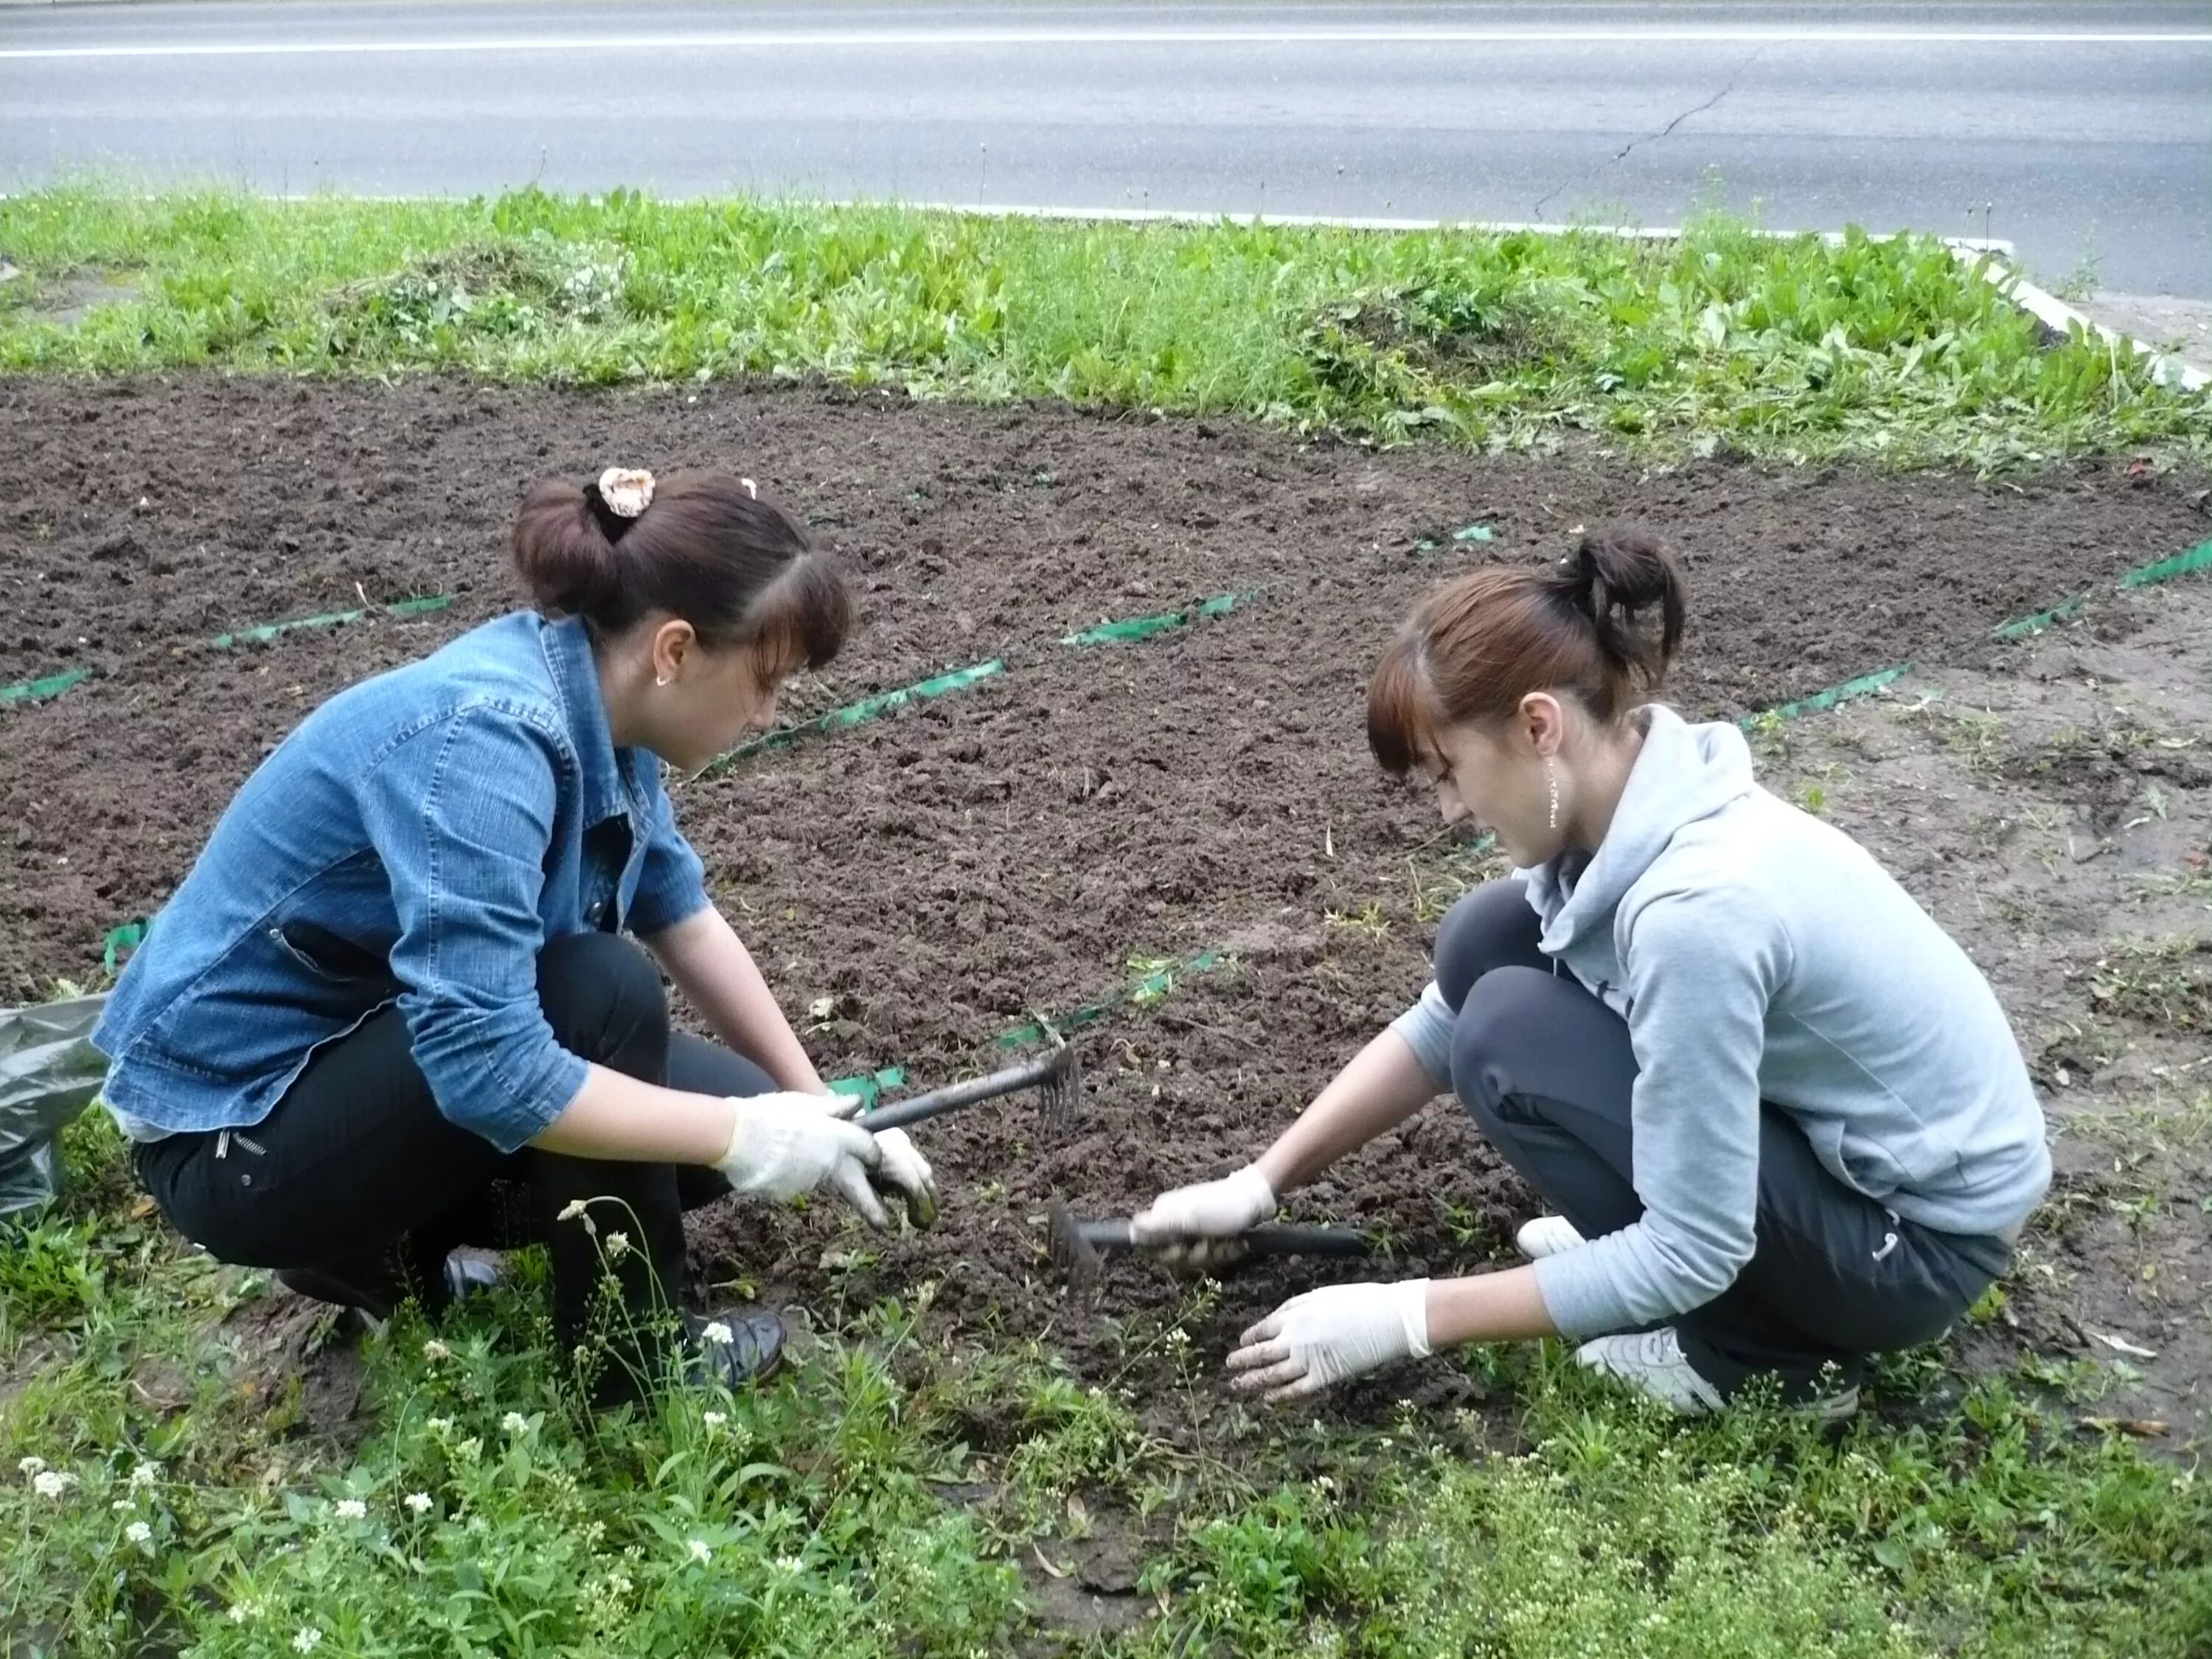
(1652, 1363)
(1547, 1235)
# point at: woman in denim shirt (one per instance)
(392, 1010)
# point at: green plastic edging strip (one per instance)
(866, 709)
(120, 942)
(1144, 628)
(2028, 626)
(1148, 988)
(2149, 575)
(1864, 686)
(870, 1088)
(261, 633)
(38, 691)
(2198, 557)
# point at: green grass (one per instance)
(1784, 347)
(893, 1492)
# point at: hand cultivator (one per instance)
(1055, 1075)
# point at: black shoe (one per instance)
(340, 1291)
(735, 1348)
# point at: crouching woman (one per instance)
(410, 997)
(1778, 1115)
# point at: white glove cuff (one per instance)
(1411, 1298)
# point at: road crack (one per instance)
(1736, 79)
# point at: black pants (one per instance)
(1545, 1069)
(356, 1173)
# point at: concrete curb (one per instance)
(2055, 314)
(1358, 222)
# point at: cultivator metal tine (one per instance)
(1073, 1255)
(1060, 1095)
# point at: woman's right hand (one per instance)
(1200, 1227)
(783, 1144)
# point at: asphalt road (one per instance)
(2079, 131)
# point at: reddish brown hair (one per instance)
(1475, 647)
(736, 567)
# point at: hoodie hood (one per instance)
(1684, 774)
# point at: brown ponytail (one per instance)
(708, 550)
(1474, 648)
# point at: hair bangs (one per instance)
(1401, 715)
(800, 621)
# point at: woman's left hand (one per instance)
(1327, 1335)
(906, 1171)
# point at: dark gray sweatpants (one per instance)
(1545, 1069)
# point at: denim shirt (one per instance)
(416, 839)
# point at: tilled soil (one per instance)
(920, 884)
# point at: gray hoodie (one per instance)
(1758, 954)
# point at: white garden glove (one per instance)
(905, 1171)
(1326, 1335)
(1198, 1226)
(783, 1144)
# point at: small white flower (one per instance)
(419, 1501)
(139, 1533)
(789, 1564)
(306, 1641)
(352, 1509)
(715, 1331)
(435, 1350)
(617, 1244)
(516, 1423)
(699, 1549)
(712, 1420)
(440, 1426)
(123, 1506)
(145, 1474)
(49, 1483)
(574, 1210)
(33, 1467)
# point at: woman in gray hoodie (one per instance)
(1778, 1113)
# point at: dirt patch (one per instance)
(299, 1362)
(1036, 842)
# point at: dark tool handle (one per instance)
(1258, 1241)
(1308, 1241)
(954, 1095)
